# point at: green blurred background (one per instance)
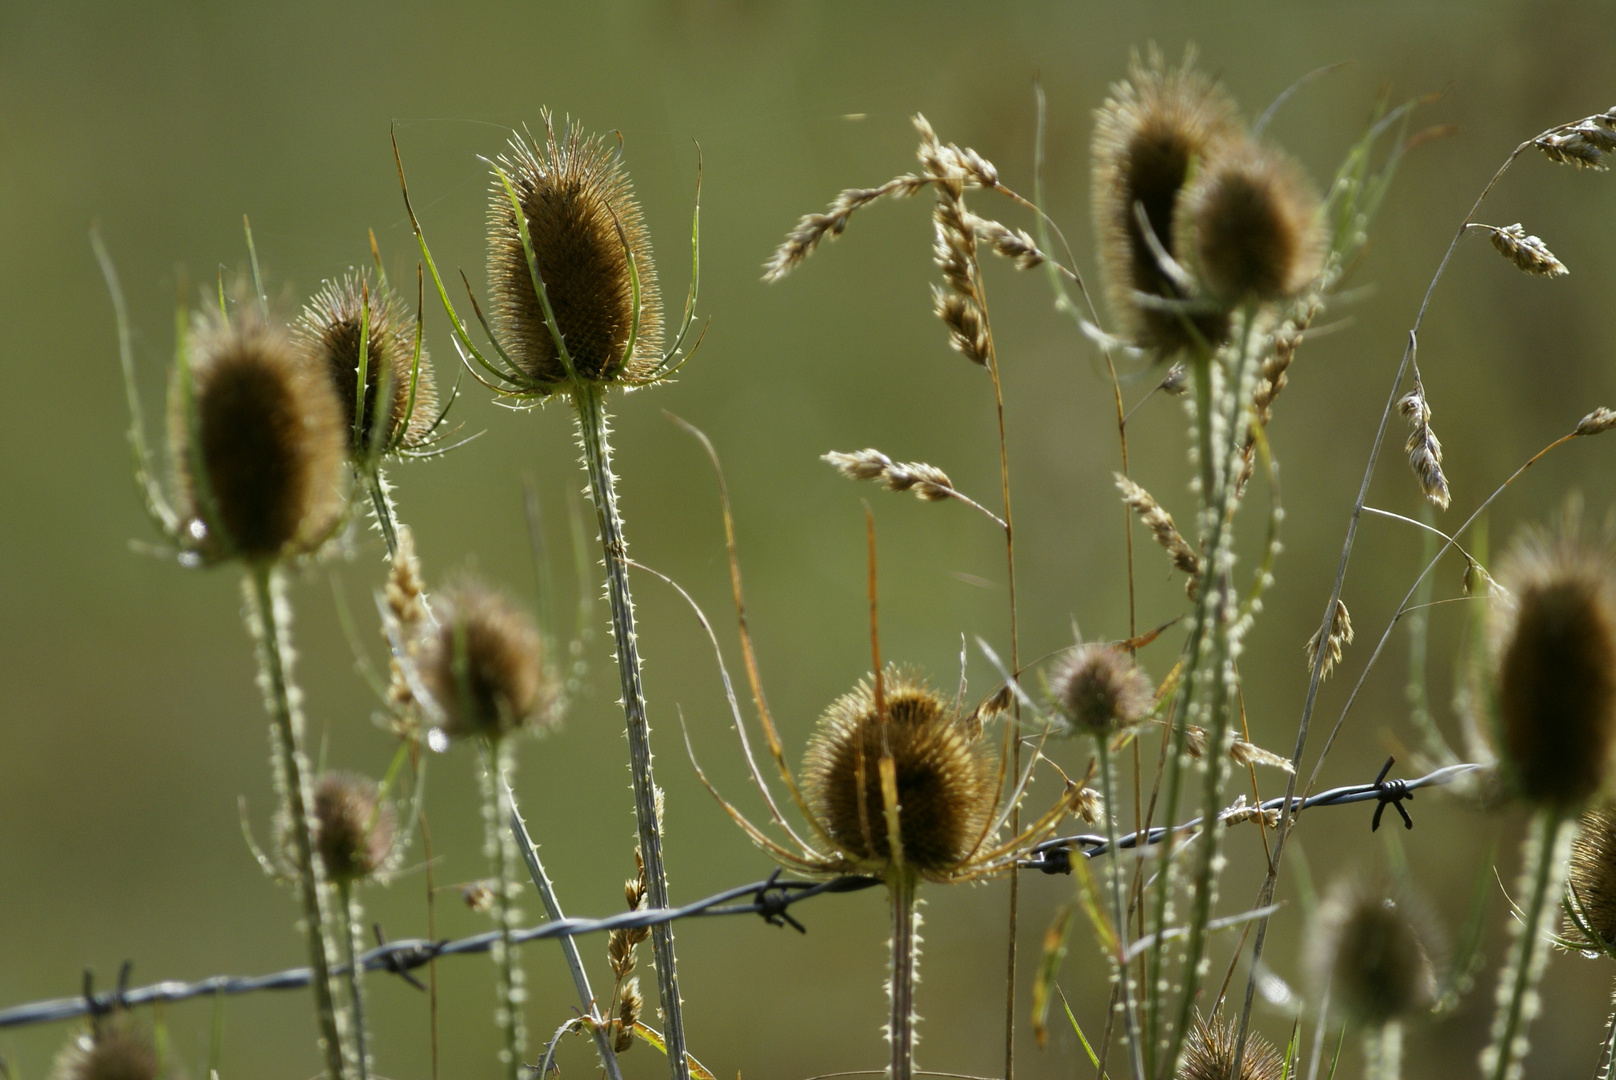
(129, 723)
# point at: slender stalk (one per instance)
(1383, 1051)
(267, 619)
(590, 403)
(1607, 1053)
(901, 889)
(1119, 907)
(382, 507)
(501, 850)
(1546, 852)
(348, 924)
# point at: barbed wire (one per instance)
(770, 898)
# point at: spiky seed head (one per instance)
(484, 664)
(1149, 135)
(329, 332)
(1373, 948)
(1209, 1054)
(583, 222)
(354, 828)
(117, 1051)
(1591, 881)
(947, 786)
(1248, 225)
(1555, 665)
(1098, 690)
(268, 442)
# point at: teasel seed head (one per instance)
(583, 222)
(1373, 948)
(1151, 133)
(1248, 226)
(1098, 690)
(947, 787)
(1527, 252)
(484, 664)
(329, 332)
(354, 828)
(116, 1050)
(1591, 880)
(1209, 1054)
(1555, 665)
(258, 453)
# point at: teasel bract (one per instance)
(576, 313)
(1552, 698)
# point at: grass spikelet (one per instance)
(1423, 448)
(1339, 637)
(1527, 252)
(1600, 420)
(1160, 524)
(927, 481)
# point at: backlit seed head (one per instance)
(583, 222)
(1373, 949)
(1098, 690)
(484, 664)
(1248, 226)
(1591, 883)
(947, 788)
(1555, 665)
(354, 829)
(116, 1051)
(329, 331)
(1209, 1054)
(268, 443)
(1154, 129)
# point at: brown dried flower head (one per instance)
(116, 1051)
(1209, 1054)
(483, 663)
(354, 828)
(259, 452)
(1248, 226)
(1149, 135)
(1098, 690)
(947, 788)
(1591, 882)
(329, 331)
(1373, 949)
(1555, 664)
(583, 221)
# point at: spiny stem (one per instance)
(509, 1013)
(901, 888)
(382, 507)
(1383, 1051)
(286, 721)
(348, 926)
(1607, 1053)
(590, 403)
(1119, 907)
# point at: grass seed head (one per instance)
(1592, 878)
(268, 443)
(1373, 949)
(947, 787)
(484, 664)
(584, 222)
(1098, 690)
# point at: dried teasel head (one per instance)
(1591, 880)
(1209, 1054)
(1248, 225)
(1373, 947)
(354, 827)
(329, 331)
(257, 442)
(585, 226)
(947, 787)
(484, 664)
(1098, 690)
(116, 1050)
(1554, 649)
(1150, 134)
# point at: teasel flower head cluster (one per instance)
(113, 1048)
(1374, 952)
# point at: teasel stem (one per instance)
(901, 889)
(382, 506)
(1119, 907)
(267, 620)
(1607, 1053)
(1383, 1051)
(590, 401)
(348, 924)
(1545, 857)
(501, 851)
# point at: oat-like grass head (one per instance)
(1373, 947)
(1248, 226)
(1153, 131)
(358, 315)
(483, 665)
(1554, 664)
(257, 440)
(589, 243)
(1209, 1054)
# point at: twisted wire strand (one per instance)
(770, 898)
